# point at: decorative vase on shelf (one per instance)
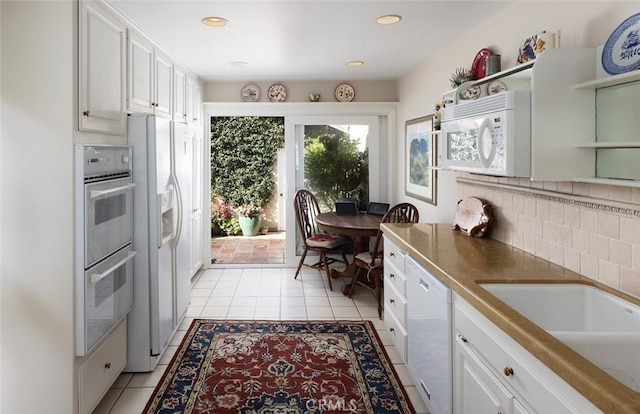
(250, 226)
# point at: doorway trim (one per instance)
(383, 110)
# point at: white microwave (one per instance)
(491, 135)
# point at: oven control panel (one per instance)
(106, 159)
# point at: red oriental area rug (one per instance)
(280, 367)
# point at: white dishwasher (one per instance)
(429, 336)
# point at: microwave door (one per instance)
(486, 143)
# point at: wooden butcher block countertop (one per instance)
(463, 262)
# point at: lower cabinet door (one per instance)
(98, 372)
(476, 389)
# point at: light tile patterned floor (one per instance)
(258, 293)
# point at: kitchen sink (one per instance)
(602, 327)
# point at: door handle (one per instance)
(96, 277)
(98, 193)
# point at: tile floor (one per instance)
(268, 249)
(257, 293)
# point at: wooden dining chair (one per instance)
(369, 268)
(313, 239)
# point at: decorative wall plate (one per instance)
(250, 93)
(277, 93)
(533, 46)
(621, 53)
(470, 94)
(345, 92)
(496, 86)
(479, 65)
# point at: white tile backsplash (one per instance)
(591, 229)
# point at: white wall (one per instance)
(298, 91)
(570, 224)
(36, 167)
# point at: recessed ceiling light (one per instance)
(239, 64)
(388, 19)
(215, 21)
(355, 63)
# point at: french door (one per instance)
(332, 143)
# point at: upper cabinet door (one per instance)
(102, 54)
(179, 98)
(163, 70)
(149, 77)
(140, 75)
(193, 100)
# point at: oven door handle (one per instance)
(98, 193)
(96, 277)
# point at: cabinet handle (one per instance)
(508, 371)
(107, 365)
(392, 255)
(392, 330)
(392, 301)
(85, 113)
(391, 275)
(462, 338)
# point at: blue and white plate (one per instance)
(621, 53)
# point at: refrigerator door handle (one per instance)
(178, 231)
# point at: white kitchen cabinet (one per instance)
(495, 374)
(187, 97)
(395, 296)
(102, 79)
(615, 144)
(478, 390)
(193, 100)
(197, 104)
(149, 77)
(98, 371)
(196, 202)
(179, 94)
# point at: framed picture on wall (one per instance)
(420, 148)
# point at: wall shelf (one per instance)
(610, 81)
(503, 73)
(608, 145)
(608, 181)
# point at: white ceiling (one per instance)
(304, 39)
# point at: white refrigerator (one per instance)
(161, 286)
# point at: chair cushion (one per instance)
(325, 240)
(368, 256)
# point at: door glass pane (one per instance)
(333, 163)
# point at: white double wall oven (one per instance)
(104, 231)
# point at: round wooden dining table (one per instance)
(360, 227)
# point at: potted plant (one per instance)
(249, 218)
(220, 215)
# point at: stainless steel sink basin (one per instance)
(600, 326)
